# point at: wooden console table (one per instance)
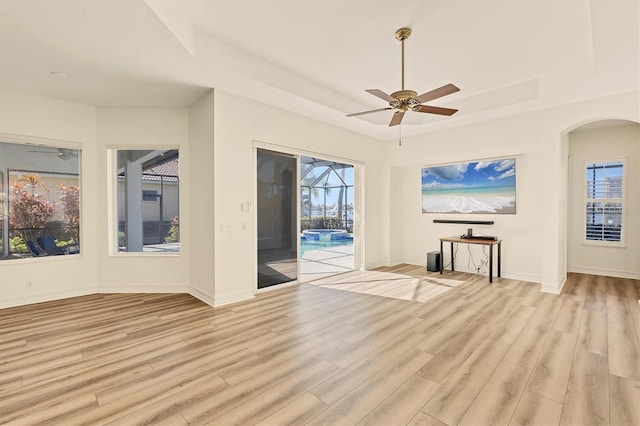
(490, 243)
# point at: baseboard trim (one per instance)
(417, 262)
(605, 272)
(207, 298)
(394, 262)
(142, 288)
(522, 277)
(375, 264)
(554, 288)
(46, 297)
(233, 298)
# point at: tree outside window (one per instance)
(29, 209)
(39, 200)
(35, 210)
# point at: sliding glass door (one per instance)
(276, 205)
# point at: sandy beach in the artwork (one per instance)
(470, 200)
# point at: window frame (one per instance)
(621, 200)
(33, 142)
(113, 225)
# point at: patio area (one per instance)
(323, 262)
(162, 248)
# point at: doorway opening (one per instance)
(306, 217)
(326, 218)
(603, 233)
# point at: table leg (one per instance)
(452, 257)
(491, 263)
(441, 257)
(499, 255)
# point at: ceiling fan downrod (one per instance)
(402, 34)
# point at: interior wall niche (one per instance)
(39, 200)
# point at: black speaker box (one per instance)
(433, 261)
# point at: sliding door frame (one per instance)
(358, 216)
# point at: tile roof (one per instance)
(169, 171)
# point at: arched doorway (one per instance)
(603, 208)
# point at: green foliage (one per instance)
(174, 231)
(17, 245)
(70, 199)
(319, 222)
(28, 210)
(63, 244)
(333, 223)
(122, 239)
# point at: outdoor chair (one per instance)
(48, 244)
(34, 249)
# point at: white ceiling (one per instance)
(317, 57)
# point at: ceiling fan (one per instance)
(404, 100)
(61, 153)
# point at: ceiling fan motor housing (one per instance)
(405, 99)
(404, 95)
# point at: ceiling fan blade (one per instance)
(445, 90)
(382, 95)
(368, 112)
(435, 110)
(397, 118)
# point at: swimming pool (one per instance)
(306, 245)
(324, 234)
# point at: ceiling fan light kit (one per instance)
(405, 100)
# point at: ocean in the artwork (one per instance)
(501, 199)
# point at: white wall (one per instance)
(96, 130)
(520, 232)
(395, 229)
(201, 199)
(151, 209)
(238, 123)
(142, 128)
(396, 215)
(601, 145)
(214, 265)
(32, 117)
(534, 246)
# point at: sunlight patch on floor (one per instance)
(388, 284)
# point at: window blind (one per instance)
(604, 201)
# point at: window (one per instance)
(148, 205)
(2, 218)
(604, 202)
(150, 195)
(39, 201)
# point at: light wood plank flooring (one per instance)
(472, 353)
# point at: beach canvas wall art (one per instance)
(474, 187)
